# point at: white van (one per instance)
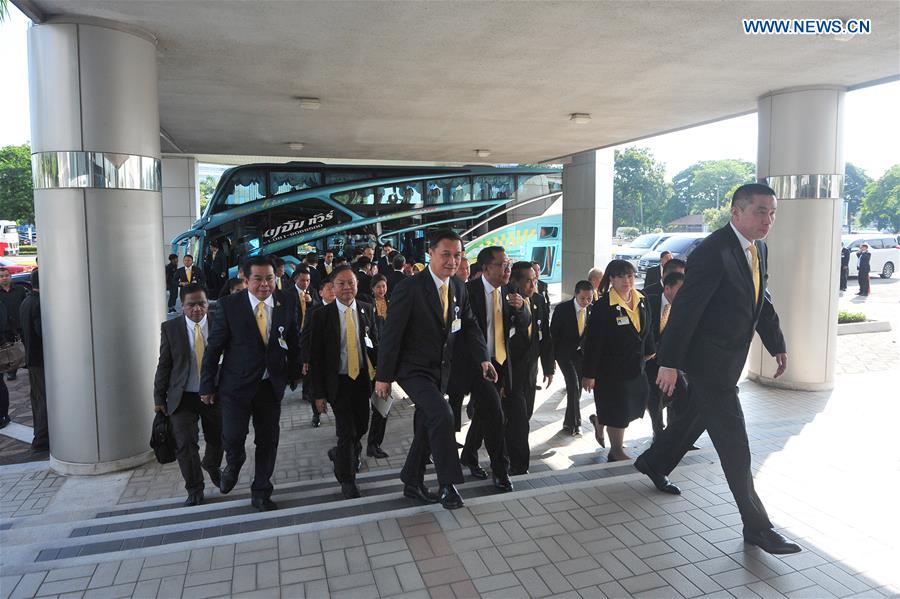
(884, 249)
(9, 234)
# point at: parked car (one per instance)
(884, 249)
(641, 246)
(680, 244)
(15, 267)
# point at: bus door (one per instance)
(545, 255)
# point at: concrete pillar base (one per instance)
(791, 385)
(94, 469)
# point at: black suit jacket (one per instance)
(651, 367)
(544, 290)
(567, 344)
(613, 351)
(652, 277)
(416, 341)
(215, 269)
(393, 279)
(171, 282)
(174, 366)
(321, 277)
(196, 276)
(32, 333)
(714, 315)
(517, 319)
(234, 333)
(865, 258)
(325, 349)
(527, 349)
(295, 297)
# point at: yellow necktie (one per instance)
(278, 283)
(664, 317)
(187, 271)
(199, 346)
(596, 295)
(328, 268)
(754, 254)
(262, 322)
(352, 346)
(530, 327)
(581, 315)
(499, 345)
(444, 302)
(302, 309)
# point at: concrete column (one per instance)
(180, 197)
(587, 216)
(95, 139)
(801, 157)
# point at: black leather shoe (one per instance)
(450, 497)
(771, 541)
(264, 504)
(420, 492)
(195, 498)
(4, 420)
(502, 483)
(316, 420)
(373, 451)
(576, 432)
(350, 490)
(331, 453)
(659, 481)
(215, 475)
(476, 471)
(569, 430)
(229, 479)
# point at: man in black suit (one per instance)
(845, 267)
(325, 266)
(672, 265)
(364, 269)
(326, 297)
(567, 330)
(283, 281)
(176, 392)
(384, 262)
(528, 345)
(302, 292)
(258, 333)
(654, 275)
(863, 267)
(395, 274)
(33, 339)
(189, 273)
(712, 321)
(500, 313)
(429, 314)
(172, 282)
(215, 270)
(542, 288)
(343, 346)
(660, 308)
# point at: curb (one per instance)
(870, 326)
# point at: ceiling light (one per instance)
(580, 117)
(309, 103)
(482, 153)
(296, 145)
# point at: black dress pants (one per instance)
(488, 425)
(516, 410)
(376, 429)
(351, 421)
(571, 371)
(456, 402)
(718, 411)
(265, 410)
(38, 395)
(432, 434)
(173, 296)
(845, 271)
(530, 389)
(863, 279)
(187, 449)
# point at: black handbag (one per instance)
(162, 441)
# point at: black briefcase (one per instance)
(162, 441)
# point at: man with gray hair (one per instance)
(595, 275)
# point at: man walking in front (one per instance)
(708, 334)
(430, 313)
(257, 336)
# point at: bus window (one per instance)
(442, 191)
(286, 182)
(401, 193)
(493, 188)
(531, 186)
(338, 177)
(555, 182)
(355, 197)
(245, 186)
(549, 233)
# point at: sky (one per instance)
(871, 132)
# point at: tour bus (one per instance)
(9, 236)
(294, 208)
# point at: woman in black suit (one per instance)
(380, 300)
(618, 341)
(378, 423)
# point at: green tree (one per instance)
(207, 187)
(881, 203)
(717, 218)
(855, 182)
(16, 191)
(640, 190)
(705, 185)
(4, 10)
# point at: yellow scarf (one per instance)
(631, 309)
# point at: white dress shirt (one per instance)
(193, 381)
(269, 306)
(342, 312)
(489, 304)
(745, 243)
(579, 310)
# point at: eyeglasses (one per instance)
(504, 265)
